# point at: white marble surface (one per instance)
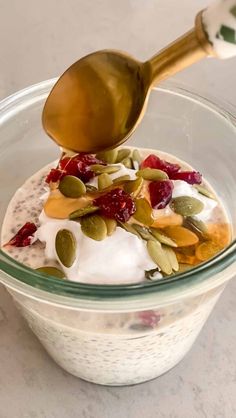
(38, 41)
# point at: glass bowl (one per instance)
(122, 334)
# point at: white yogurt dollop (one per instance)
(120, 258)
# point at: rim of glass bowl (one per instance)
(195, 276)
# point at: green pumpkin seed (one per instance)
(127, 162)
(172, 258)
(143, 232)
(90, 188)
(111, 225)
(186, 205)
(159, 256)
(121, 179)
(153, 274)
(162, 238)
(134, 186)
(122, 154)
(204, 191)
(100, 169)
(71, 186)
(94, 227)
(152, 174)
(108, 156)
(143, 213)
(65, 244)
(51, 271)
(104, 181)
(83, 211)
(129, 228)
(136, 156)
(196, 226)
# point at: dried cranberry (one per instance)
(54, 175)
(149, 318)
(90, 159)
(191, 177)
(79, 166)
(24, 236)
(152, 161)
(160, 193)
(116, 204)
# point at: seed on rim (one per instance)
(65, 244)
(143, 213)
(159, 256)
(182, 236)
(51, 271)
(204, 191)
(122, 154)
(143, 232)
(162, 238)
(186, 205)
(108, 156)
(100, 169)
(104, 181)
(152, 174)
(71, 186)
(111, 225)
(83, 211)
(172, 257)
(121, 179)
(134, 186)
(94, 227)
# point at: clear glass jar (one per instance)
(127, 334)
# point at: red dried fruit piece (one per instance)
(150, 318)
(160, 193)
(54, 175)
(152, 161)
(79, 166)
(116, 204)
(191, 177)
(24, 236)
(90, 159)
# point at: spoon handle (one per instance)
(214, 35)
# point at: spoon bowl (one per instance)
(97, 102)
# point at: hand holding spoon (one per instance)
(99, 101)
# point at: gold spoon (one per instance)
(99, 101)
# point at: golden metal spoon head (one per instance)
(96, 103)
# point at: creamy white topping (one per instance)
(120, 258)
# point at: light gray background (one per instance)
(38, 40)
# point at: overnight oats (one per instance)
(122, 217)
